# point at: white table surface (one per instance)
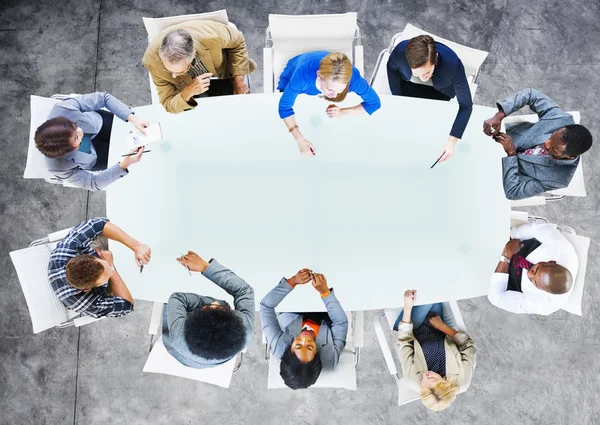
(227, 181)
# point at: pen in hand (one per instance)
(438, 160)
(141, 268)
(187, 267)
(135, 153)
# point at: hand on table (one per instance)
(193, 261)
(239, 85)
(142, 253)
(306, 148)
(449, 148)
(410, 297)
(319, 282)
(507, 143)
(491, 127)
(138, 123)
(334, 111)
(511, 248)
(197, 86)
(303, 276)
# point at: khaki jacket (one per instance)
(460, 359)
(221, 48)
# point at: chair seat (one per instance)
(160, 361)
(581, 245)
(45, 309)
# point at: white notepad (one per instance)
(153, 134)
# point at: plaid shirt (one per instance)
(96, 302)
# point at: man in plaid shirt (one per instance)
(84, 279)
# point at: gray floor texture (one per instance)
(531, 369)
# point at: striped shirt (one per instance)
(96, 302)
(197, 68)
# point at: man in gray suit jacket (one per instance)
(541, 156)
(75, 140)
(304, 342)
(203, 332)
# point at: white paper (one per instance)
(153, 134)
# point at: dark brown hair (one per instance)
(420, 51)
(84, 271)
(53, 138)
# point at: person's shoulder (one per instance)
(448, 55)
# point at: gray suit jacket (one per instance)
(180, 304)
(281, 331)
(74, 166)
(527, 175)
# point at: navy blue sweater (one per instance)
(448, 77)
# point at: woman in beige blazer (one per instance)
(437, 361)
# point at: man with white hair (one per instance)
(182, 59)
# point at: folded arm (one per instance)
(537, 101)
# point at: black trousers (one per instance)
(419, 90)
(102, 140)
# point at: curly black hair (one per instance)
(214, 333)
(298, 375)
(577, 139)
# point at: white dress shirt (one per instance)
(554, 246)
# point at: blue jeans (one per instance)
(419, 315)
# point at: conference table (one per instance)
(228, 182)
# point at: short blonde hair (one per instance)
(440, 396)
(336, 66)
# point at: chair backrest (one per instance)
(160, 361)
(472, 59)
(36, 162)
(45, 309)
(343, 376)
(156, 25)
(577, 185)
(295, 34)
(581, 245)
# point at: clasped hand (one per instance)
(303, 276)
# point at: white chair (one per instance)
(45, 309)
(160, 361)
(405, 395)
(576, 186)
(581, 245)
(472, 59)
(290, 35)
(156, 25)
(344, 375)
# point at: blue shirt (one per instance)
(84, 146)
(448, 77)
(300, 75)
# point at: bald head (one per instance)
(551, 277)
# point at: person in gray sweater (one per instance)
(201, 331)
(305, 342)
(541, 156)
(76, 137)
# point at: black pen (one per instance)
(438, 160)
(141, 268)
(135, 153)
(187, 267)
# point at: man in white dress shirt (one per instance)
(536, 271)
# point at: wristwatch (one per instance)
(504, 259)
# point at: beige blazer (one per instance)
(221, 48)
(460, 358)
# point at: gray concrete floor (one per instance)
(530, 370)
